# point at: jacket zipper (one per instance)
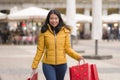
(55, 47)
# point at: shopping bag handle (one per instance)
(83, 60)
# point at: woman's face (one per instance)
(54, 20)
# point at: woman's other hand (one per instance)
(33, 71)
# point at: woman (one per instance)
(53, 45)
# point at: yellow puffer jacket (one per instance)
(54, 48)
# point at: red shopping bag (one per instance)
(94, 72)
(34, 77)
(80, 72)
(85, 71)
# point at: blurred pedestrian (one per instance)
(53, 45)
(5, 36)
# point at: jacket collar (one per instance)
(66, 30)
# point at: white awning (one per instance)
(29, 13)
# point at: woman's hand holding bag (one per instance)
(34, 75)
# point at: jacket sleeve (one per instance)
(69, 50)
(39, 52)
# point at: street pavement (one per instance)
(16, 60)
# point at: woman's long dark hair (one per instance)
(61, 23)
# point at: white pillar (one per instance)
(70, 15)
(87, 25)
(97, 19)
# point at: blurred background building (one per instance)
(82, 6)
(110, 30)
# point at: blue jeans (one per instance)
(54, 72)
